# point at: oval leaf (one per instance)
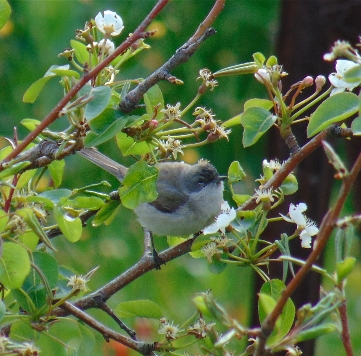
(5, 11)
(154, 98)
(100, 99)
(270, 293)
(14, 265)
(69, 226)
(235, 172)
(336, 108)
(139, 185)
(128, 146)
(255, 121)
(139, 308)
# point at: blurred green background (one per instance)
(30, 43)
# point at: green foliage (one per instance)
(139, 185)
(334, 109)
(256, 121)
(5, 11)
(139, 308)
(269, 295)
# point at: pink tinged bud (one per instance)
(320, 82)
(212, 137)
(153, 124)
(307, 82)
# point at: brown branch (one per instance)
(182, 55)
(141, 347)
(54, 113)
(345, 335)
(144, 265)
(292, 163)
(324, 233)
(110, 312)
(208, 21)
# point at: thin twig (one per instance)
(182, 55)
(108, 333)
(109, 311)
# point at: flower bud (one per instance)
(306, 82)
(320, 82)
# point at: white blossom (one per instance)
(226, 216)
(307, 226)
(337, 79)
(109, 23)
(106, 46)
(263, 76)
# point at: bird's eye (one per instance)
(201, 181)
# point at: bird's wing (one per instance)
(170, 197)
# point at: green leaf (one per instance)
(13, 169)
(256, 121)
(30, 239)
(104, 127)
(70, 227)
(56, 169)
(35, 89)
(29, 217)
(138, 308)
(152, 98)
(240, 198)
(42, 278)
(344, 268)
(336, 108)
(139, 185)
(56, 195)
(81, 52)
(236, 120)
(30, 124)
(353, 74)
(25, 178)
(270, 293)
(4, 218)
(89, 203)
(5, 11)
(356, 126)
(128, 146)
(315, 332)
(260, 103)
(106, 214)
(2, 305)
(235, 172)
(100, 99)
(271, 61)
(259, 58)
(289, 185)
(66, 72)
(14, 265)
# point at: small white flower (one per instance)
(109, 23)
(226, 216)
(169, 330)
(263, 76)
(209, 250)
(336, 79)
(307, 226)
(106, 46)
(264, 195)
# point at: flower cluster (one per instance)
(206, 119)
